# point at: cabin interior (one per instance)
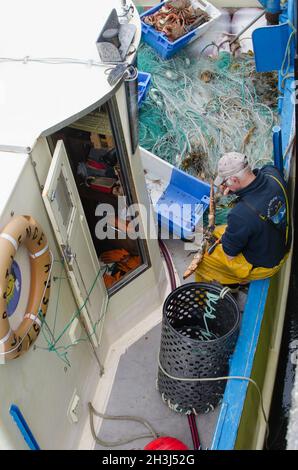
(101, 176)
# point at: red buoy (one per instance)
(166, 443)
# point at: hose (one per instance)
(153, 433)
(169, 263)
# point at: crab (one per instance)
(174, 29)
(206, 76)
(180, 4)
(176, 18)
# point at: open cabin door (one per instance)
(66, 213)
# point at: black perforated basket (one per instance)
(194, 348)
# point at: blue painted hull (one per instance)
(238, 425)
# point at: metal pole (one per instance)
(248, 26)
(277, 149)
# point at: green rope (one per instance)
(49, 334)
(79, 310)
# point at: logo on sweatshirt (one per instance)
(277, 211)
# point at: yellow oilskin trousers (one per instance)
(217, 266)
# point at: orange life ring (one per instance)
(24, 230)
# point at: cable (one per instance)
(58, 61)
(169, 264)
(214, 379)
(194, 431)
(153, 433)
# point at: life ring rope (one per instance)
(33, 317)
(24, 230)
(9, 238)
(5, 338)
(39, 253)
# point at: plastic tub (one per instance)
(179, 200)
(144, 80)
(159, 41)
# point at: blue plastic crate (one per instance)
(183, 203)
(159, 41)
(144, 80)
(179, 199)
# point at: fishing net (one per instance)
(199, 108)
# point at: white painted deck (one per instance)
(134, 389)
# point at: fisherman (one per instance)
(255, 242)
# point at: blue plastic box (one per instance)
(183, 191)
(159, 41)
(179, 200)
(144, 80)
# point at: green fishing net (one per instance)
(199, 108)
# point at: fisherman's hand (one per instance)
(225, 190)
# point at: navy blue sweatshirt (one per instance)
(261, 244)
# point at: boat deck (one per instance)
(134, 391)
